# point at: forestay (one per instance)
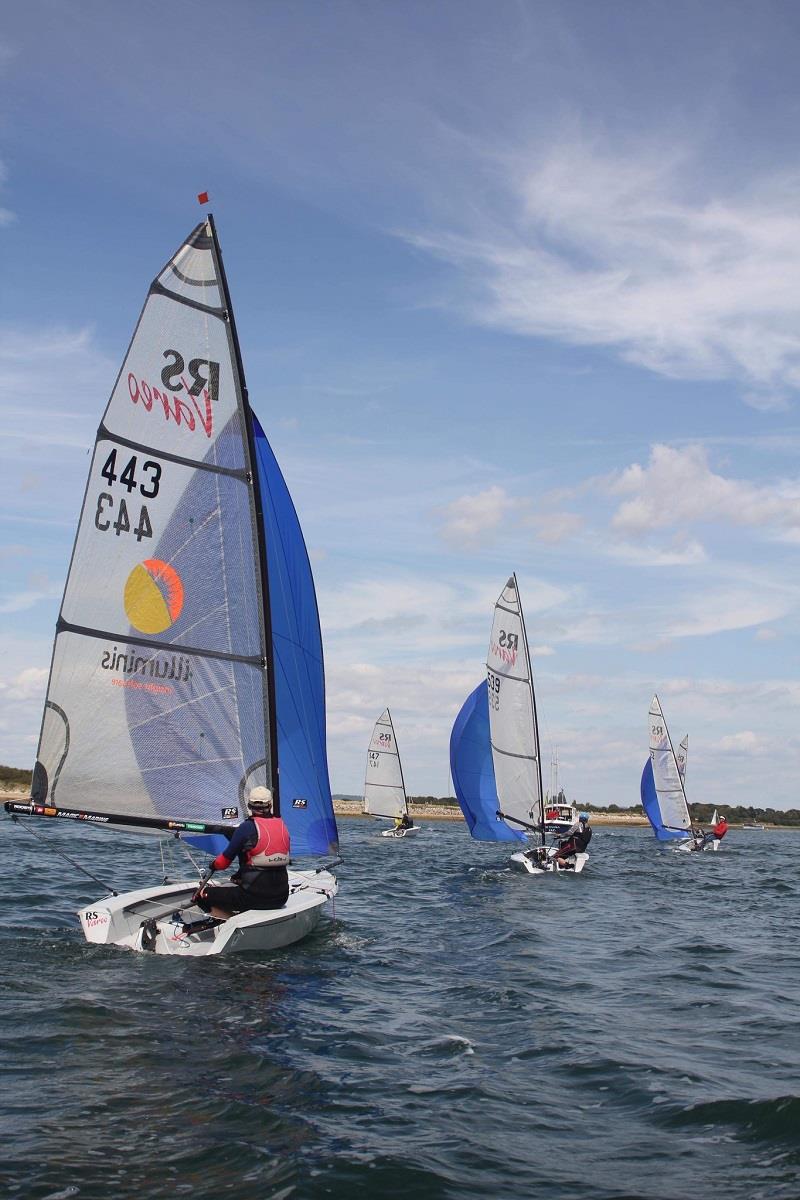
(512, 711)
(158, 702)
(384, 788)
(472, 769)
(663, 796)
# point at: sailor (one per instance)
(575, 841)
(717, 833)
(261, 844)
(403, 821)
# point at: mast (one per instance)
(533, 707)
(269, 656)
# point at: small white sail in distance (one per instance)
(384, 788)
(512, 711)
(667, 775)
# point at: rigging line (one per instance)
(72, 862)
(210, 612)
(168, 712)
(190, 762)
(207, 519)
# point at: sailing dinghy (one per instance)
(384, 787)
(187, 665)
(663, 787)
(494, 746)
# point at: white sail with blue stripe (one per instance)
(662, 788)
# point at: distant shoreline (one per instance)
(446, 812)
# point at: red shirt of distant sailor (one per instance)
(720, 829)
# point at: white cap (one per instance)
(259, 797)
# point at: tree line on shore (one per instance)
(737, 814)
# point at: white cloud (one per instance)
(599, 247)
(17, 602)
(555, 527)
(6, 216)
(745, 742)
(725, 609)
(470, 519)
(678, 487)
(681, 554)
(28, 684)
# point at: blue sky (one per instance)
(517, 287)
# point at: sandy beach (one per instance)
(446, 812)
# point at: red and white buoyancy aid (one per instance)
(272, 847)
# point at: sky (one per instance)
(517, 286)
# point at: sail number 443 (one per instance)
(145, 479)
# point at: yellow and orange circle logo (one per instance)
(153, 596)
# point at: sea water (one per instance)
(458, 1029)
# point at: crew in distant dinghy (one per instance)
(261, 844)
(575, 842)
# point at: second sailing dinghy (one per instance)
(384, 787)
(663, 788)
(187, 666)
(494, 746)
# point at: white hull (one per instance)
(688, 847)
(534, 866)
(151, 919)
(399, 833)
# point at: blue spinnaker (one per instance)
(305, 790)
(473, 771)
(652, 810)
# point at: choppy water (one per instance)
(458, 1031)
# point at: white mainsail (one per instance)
(683, 756)
(384, 789)
(159, 698)
(667, 775)
(512, 712)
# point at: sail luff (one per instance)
(258, 526)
